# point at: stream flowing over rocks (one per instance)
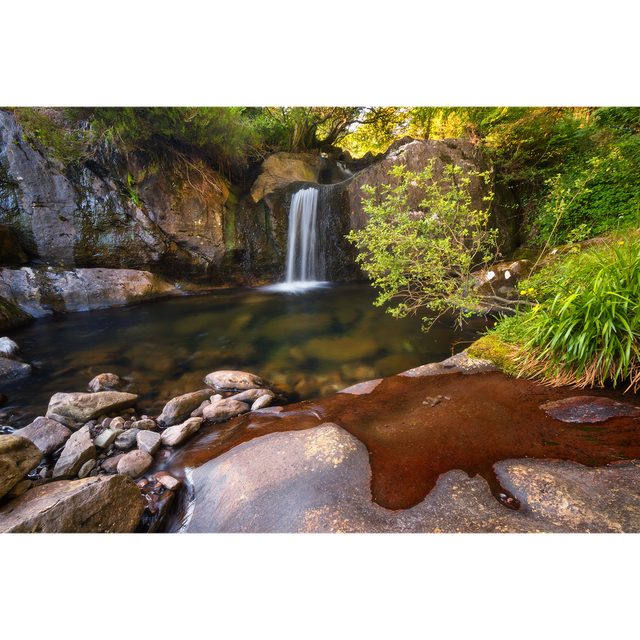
(86, 466)
(237, 457)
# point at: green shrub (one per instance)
(425, 257)
(593, 194)
(589, 331)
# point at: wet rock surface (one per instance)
(431, 443)
(587, 409)
(318, 480)
(18, 456)
(443, 447)
(47, 435)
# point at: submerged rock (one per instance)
(586, 409)
(107, 382)
(12, 369)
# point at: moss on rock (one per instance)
(489, 347)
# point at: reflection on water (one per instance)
(316, 343)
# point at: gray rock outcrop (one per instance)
(101, 504)
(318, 480)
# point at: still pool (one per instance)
(314, 342)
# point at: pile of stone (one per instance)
(97, 435)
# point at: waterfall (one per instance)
(304, 266)
(304, 262)
(317, 251)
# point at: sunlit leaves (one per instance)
(422, 258)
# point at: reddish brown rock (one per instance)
(587, 409)
(47, 435)
(18, 456)
(135, 463)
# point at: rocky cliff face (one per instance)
(113, 213)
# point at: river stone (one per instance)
(251, 394)
(224, 409)
(149, 441)
(78, 450)
(110, 465)
(18, 456)
(180, 408)
(11, 369)
(232, 380)
(8, 346)
(168, 481)
(106, 438)
(83, 407)
(100, 504)
(135, 463)
(47, 435)
(262, 401)
(127, 439)
(144, 424)
(586, 409)
(86, 468)
(176, 434)
(107, 382)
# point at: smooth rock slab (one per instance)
(587, 409)
(574, 496)
(100, 504)
(318, 480)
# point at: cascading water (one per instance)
(305, 266)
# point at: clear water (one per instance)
(316, 342)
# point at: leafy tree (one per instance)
(425, 257)
(218, 137)
(306, 128)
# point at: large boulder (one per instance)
(82, 407)
(40, 291)
(18, 456)
(280, 169)
(415, 155)
(101, 504)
